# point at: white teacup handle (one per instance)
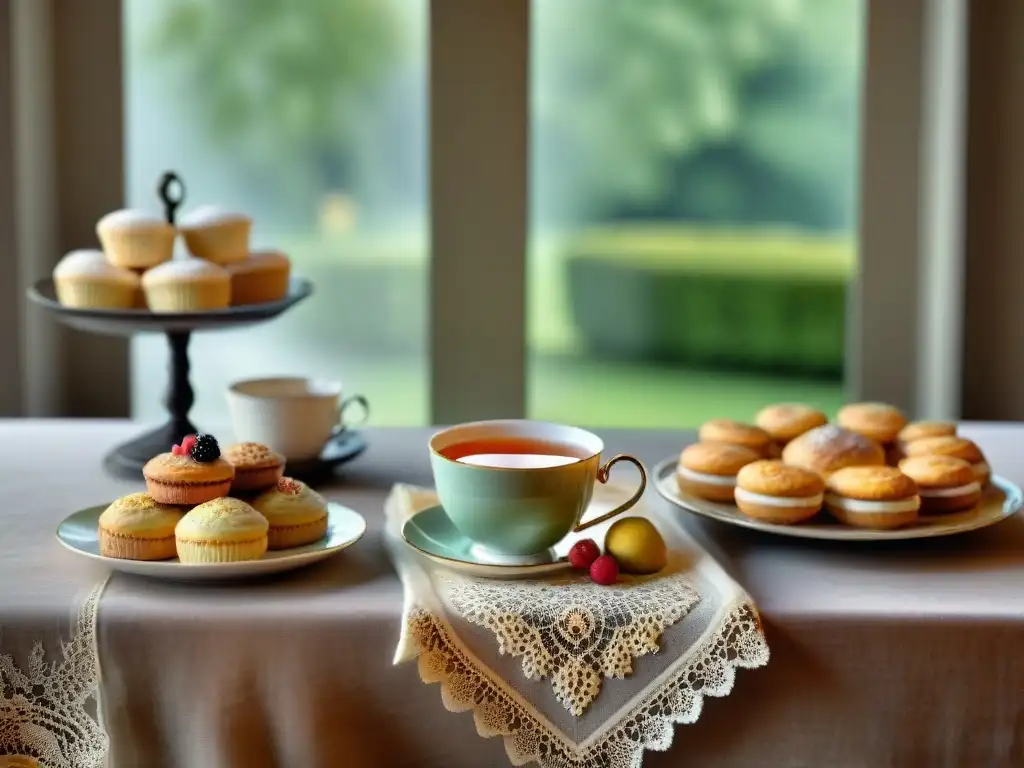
(602, 477)
(363, 404)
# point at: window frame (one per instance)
(906, 303)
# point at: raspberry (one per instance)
(604, 570)
(177, 450)
(584, 553)
(187, 442)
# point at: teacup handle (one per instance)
(359, 400)
(602, 477)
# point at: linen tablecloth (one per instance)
(898, 655)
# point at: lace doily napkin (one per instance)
(48, 707)
(568, 672)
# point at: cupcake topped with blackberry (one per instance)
(190, 473)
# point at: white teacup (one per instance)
(293, 416)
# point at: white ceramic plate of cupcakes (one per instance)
(78, 532)
(870, 477)
(208, 516)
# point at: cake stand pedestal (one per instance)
(128, 459)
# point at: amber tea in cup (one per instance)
(513, 453)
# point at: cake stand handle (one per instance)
(180, 396)
(172, 194)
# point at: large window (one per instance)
(310, 117)
(694, 187)
(728, 203)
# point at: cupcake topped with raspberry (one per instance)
(190, 473)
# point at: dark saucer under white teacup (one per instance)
(300, 418)
(341, 448)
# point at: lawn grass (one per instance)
(613, 394)
(605, 394)
(563, 383)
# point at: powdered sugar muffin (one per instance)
(135, 239)
(297, 514)
(187, 285)
(217, 235)
(85, 279)
(259, 278)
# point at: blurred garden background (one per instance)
(693, 195)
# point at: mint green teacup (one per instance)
(515, 487)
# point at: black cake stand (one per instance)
(127, 460)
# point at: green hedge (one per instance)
(770, 302)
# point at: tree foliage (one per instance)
(720, 111)
(281, 84)
(724, 111)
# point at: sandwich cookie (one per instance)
(872, 497)
(829, 448)
(878, 421)
(774, 492)
(786, 421)
(945, 484)
(958, 448)
(738, 433)
(918, 430)
(708, 470)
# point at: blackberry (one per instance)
(205, 449)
